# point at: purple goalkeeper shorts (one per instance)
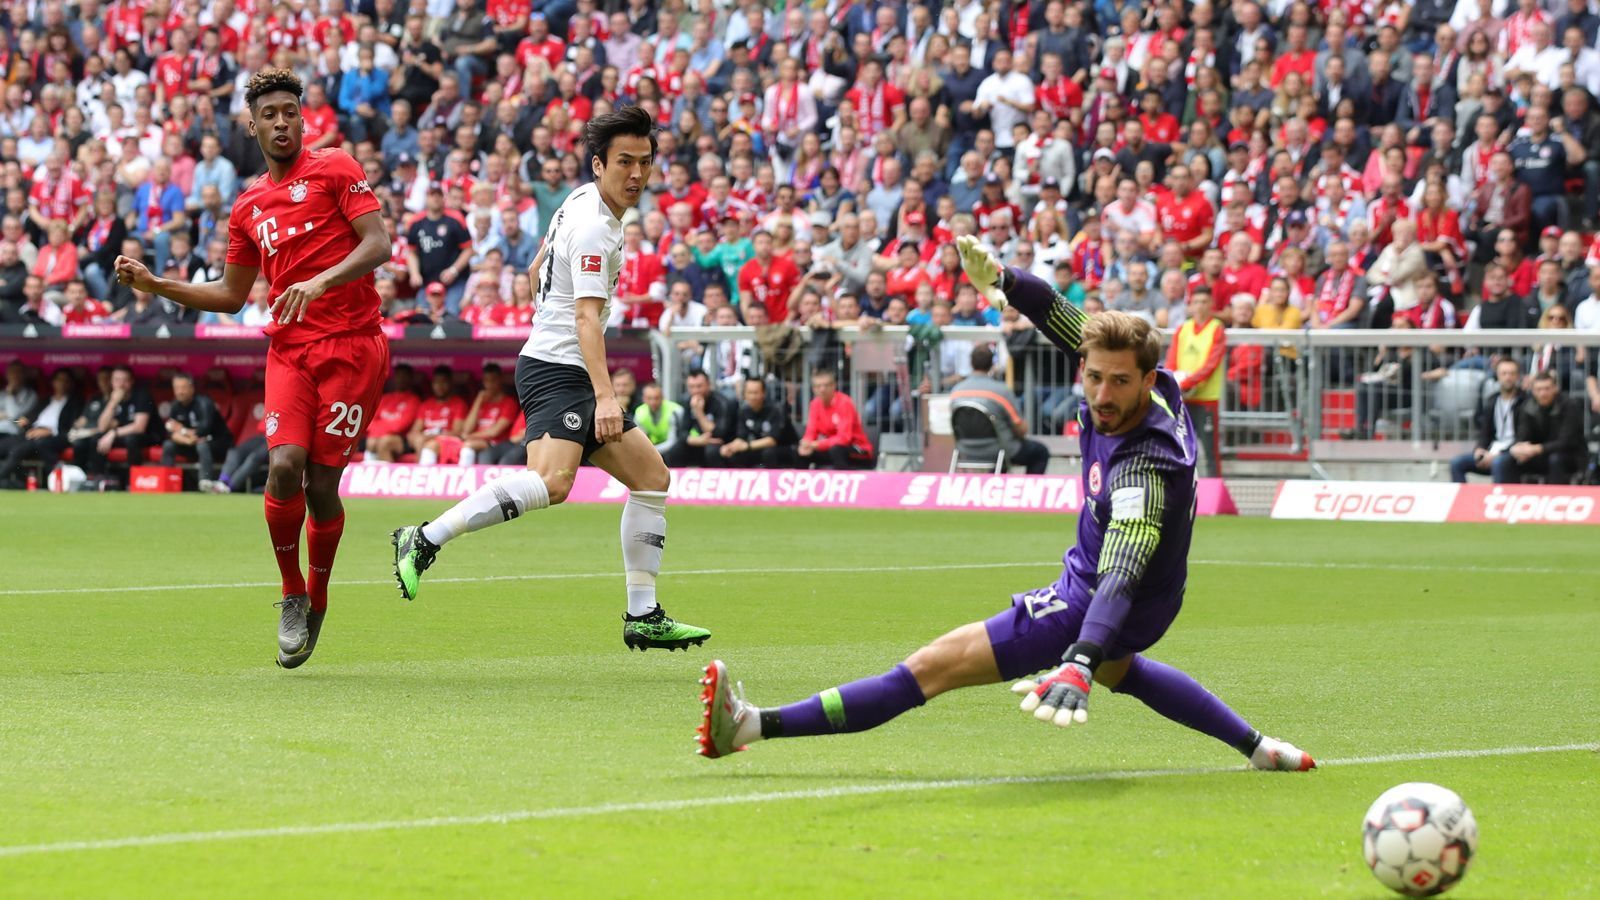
(1034, 633)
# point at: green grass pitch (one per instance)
(495, 739)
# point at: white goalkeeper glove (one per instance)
(982, 269)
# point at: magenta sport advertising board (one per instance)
(774, 487)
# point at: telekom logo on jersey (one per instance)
(269, 237)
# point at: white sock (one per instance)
(468, 456)
(498, 501)
(370, 456)
(749, 730)
(644, 536)
(427, 457)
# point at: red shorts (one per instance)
(321, 394)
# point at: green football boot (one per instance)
(413, 554)
(657, 629)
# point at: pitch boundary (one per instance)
(573, 812)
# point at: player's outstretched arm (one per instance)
(592, 344)
(226, 295)
(1055, 318)
(373, 251)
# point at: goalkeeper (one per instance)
(1120, 588)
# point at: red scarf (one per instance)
(99, 230)
(1334, 297)
(788, 105)
(870, 109)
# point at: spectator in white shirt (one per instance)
(1007, 97)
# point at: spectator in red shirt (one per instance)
(489, 420)
(539, 43)
(1295, 57)
(1187, 217)
(1239, 274)
(1160, 126)
(78, 308)
(396, 413)
(58, 194)
(57, 262)
(321, 119)
(434, 433)
(834, 436)
(641, 282)
(907, 274)
(768, 279)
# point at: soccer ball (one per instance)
(1418, 839)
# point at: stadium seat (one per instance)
(977, 433)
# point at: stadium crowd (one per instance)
(1339, 164)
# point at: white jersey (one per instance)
(585, 257)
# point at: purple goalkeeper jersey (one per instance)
(1138, 516)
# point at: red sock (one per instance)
(284, 519)
(322, 543)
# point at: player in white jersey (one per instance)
(566, 394)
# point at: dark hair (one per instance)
(696, 373)
(982, 358)
(271, 80)
(445, 371)
(492, 367)
(630, 120)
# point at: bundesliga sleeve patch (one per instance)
(1127, 503)
(589, 263)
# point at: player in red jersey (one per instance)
(312, 226)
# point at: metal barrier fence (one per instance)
(1396, 394)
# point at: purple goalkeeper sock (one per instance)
(1174, 694)
(856, 706)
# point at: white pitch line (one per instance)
(854, 790)
(802, 570)
(532, 576)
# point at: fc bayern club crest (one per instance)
(297, 191)
(1094, 478)
(272, 425)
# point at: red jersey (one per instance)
(320, 28)
(320, 121)
(551, 50)
(497, 414)
(836, 424)
(985, 210)
(284, 35)
(396, 411)
(640, 271)
(875, 107)
(505, 13)
(297, 228)
(124, 24)
(62, 198)
(1060, 98)
(903, 283)
(1163, 129)
(579, 109)
(92, 312)
(440, 416)
(1249, 278)
(171, 74)
(770, 287)
(1183, 219)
